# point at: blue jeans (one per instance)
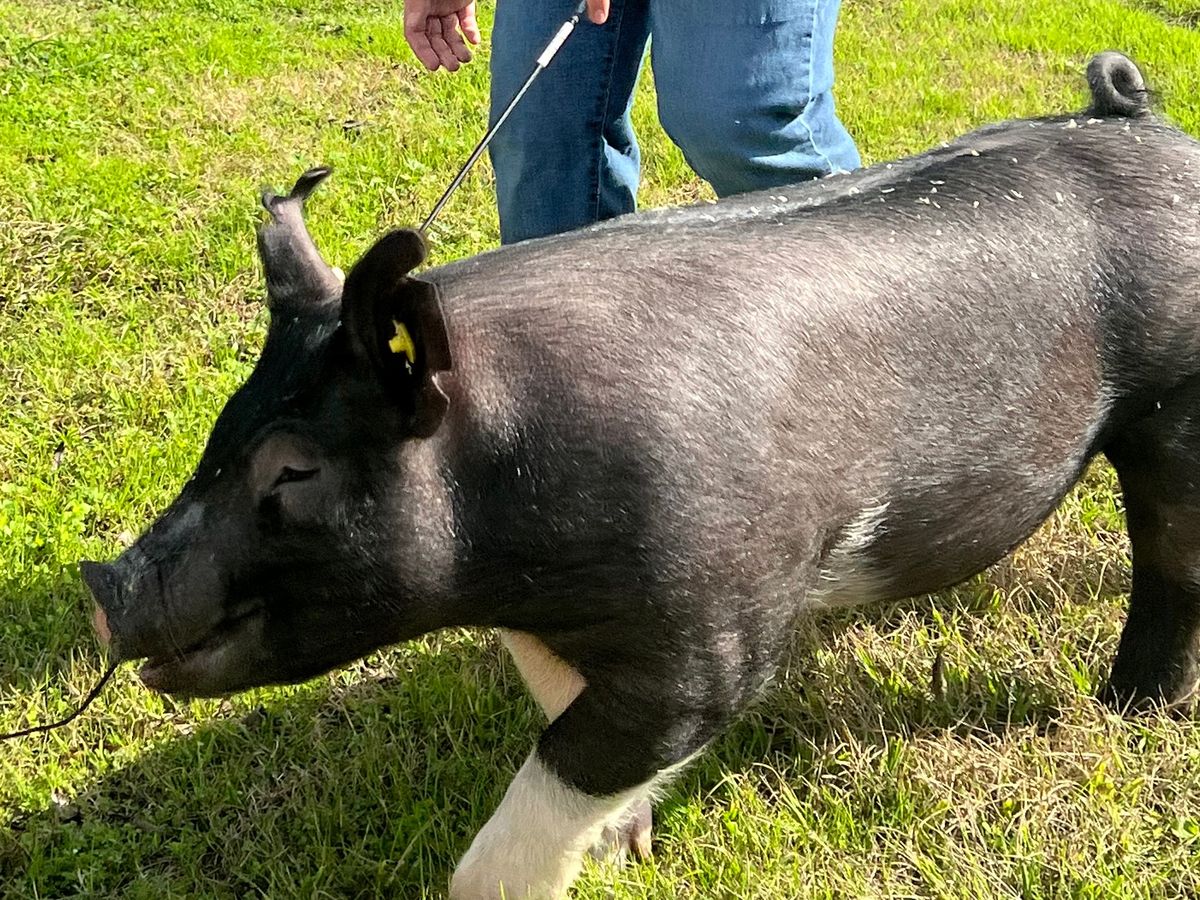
(744, 88)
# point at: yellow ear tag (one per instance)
(403, 343)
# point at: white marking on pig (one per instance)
(553, 683)
(843, 577)
(533, 846)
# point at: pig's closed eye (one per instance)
(289, 475)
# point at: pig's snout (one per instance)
(101, 579)
(100, 623)
(144, 611)
(118, 629)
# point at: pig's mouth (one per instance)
(187, 669)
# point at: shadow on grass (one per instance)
(375, 789)
(371, 790)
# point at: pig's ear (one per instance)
(298, 279)
(395, 329)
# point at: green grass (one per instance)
(133, 138)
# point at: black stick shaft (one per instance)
(544, 60)
(87, 701)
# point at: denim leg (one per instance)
(567, 156)
(745, 89)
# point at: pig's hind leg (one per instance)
(1158, 461)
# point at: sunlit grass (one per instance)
(133, 139)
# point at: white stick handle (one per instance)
(554, 45)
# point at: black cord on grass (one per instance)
(87, 701)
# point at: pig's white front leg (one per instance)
(533, 845)
(555, 685)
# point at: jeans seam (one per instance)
(601, 156)
(812, 137)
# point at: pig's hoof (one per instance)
(1132, 698)
(629, 839)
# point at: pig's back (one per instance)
(918, 343)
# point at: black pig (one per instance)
(644, 449)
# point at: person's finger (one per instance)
(598, 11)
(450, 32)
(437, 41)
(418, 39)
(468, 23)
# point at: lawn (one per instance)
(133, 139)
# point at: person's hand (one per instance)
(435, 30)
